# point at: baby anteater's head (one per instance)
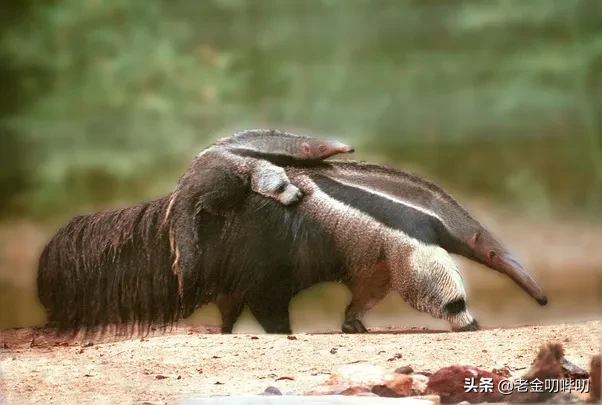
(319, 149)
(285, 144)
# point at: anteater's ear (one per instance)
(304, 149)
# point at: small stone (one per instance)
(404, 370)
(395, 386)
(271, 391)
(87, 344)
(396, 356)
(573, 371)
(419, 384)
(351, 375)
(350, 379)
(333, 350)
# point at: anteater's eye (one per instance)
(322, 148)
(492, 254)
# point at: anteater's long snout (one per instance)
(340, 147)
(520, 276)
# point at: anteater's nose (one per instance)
(341, 147)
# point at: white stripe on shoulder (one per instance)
(391, 198)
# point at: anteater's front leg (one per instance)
(271, 181)
(368, 287)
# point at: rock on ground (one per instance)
(194, 364)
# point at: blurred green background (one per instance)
(105, 102)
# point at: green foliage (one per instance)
(459, 88)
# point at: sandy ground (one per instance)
(195, 361)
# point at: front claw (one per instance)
(354, 326)
(291, 195)
(473, 326)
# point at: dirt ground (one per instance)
(196, 361)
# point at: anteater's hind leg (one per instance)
(368, 288)
(272, 314)
(230, 307)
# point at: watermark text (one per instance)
(507, 386)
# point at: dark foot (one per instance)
(290, 195)
(354, 326)
(474, 325)
(227, 329)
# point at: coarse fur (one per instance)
(245, 154)
(264, 244)
(396, 230)
(282, 146)
(376, 259)
(249, 152)
(111, 267)
(124, 266)
(263, 252)
(424, 211)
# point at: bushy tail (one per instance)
(112, 268)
